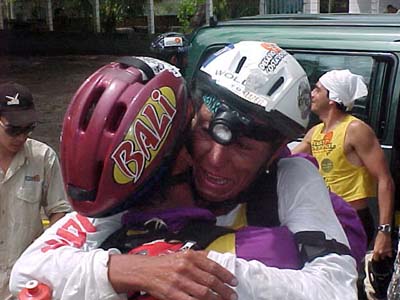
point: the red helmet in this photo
(120, 133)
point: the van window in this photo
(316, 65)
(376, 69)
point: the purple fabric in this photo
(175, 218)
(275, 247)
(352, 226)
(348, 218)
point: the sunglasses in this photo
(18, 130)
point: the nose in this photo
(217, 154)
(313, 93)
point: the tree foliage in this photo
(111, 11)
(114, 11)
(186, 10)
(191, 13)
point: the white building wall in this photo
(360, 6)
(1, 15)
(374, 6)
(355, 6)
(311, 6)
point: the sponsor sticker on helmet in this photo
(145, 137)
(272, 58)
(304, 99)
(271, 47)
(173, 41)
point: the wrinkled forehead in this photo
(204, 114)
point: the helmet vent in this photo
(90, 106)
(240, 64)
(276, 86)
(115, 117)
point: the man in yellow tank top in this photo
(349, 154)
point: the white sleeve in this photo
(332, 277)
(304, 205)
(304, 202)
(66, 258)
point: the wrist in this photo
(384, 228)
(119, 265)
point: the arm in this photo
(332, 277)
(68, 259)
(304, 205)
(55, 217)
(305, 145)
(362, 139)
(175, 276)
(54, 197)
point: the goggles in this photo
(17, 130)
(229, 123)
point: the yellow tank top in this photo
(343, 178)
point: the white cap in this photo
(344, 86)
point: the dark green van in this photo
(368, 45)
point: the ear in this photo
(331, 102)
(182, 162)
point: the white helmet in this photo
(261, 79)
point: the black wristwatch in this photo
(386, 228)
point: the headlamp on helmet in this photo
(229, 123)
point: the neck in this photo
(331, 118)
(6, 158)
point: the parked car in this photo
(368, 45)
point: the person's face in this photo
(319, 98)
(222, 172)
(10, 141)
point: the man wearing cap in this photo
(30, 179)
(349, 154)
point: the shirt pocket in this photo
(30, 191)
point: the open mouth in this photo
(215, 179)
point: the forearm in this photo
(385, 200)
(55, 217)
(66, 258)
(329, 277)
(71, 275)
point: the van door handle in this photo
(382, 127)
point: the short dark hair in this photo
(341, 106)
